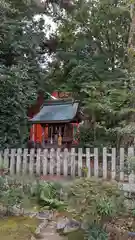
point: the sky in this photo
(49, 24)
(50, 27)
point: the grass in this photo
(17, 228)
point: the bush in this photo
(95, 201)
(47, 194)
(10, 194)
(94, 232)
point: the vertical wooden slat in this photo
(65, 159)
(131, 175)
(95, 162)
(52, 160)
(32, 160)
(25, 161)
(122, 164)
(58, 161)
(45, 161)
(73, 162)
(6, 158)
(105, 163)
(12, 161)
(80, 162)
(1, 158)
(113, 163)
(38, 156)
(18, 163)
(88, 162)
(130, 152)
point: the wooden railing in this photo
(109, 164)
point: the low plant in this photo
(94, 232)
(47, 194)
(95, 201)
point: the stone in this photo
(71, 226)
(61, 224)
(65, 225)
(43, 215)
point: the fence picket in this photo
(113, 160)
(80, 162)
(65, 159)
(12, 162)
(1, 158)
(32, 160)
(121, 164)
(6, 158)
(52, 161)
(96, 162)
(130, 152)
(38, 156)
(44, 161)
(105, 163)
(73, 162)
(18, 163)
(58, 158)
(88, 162)
(25, 161)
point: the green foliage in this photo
(95, 201)
(21, 37)
(94, 232)
(129, 165)
(91, 61)
(10, 195)
(47, 194)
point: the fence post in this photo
(58, 152)
(18, 163)
(88, 162)
(12, 161)
(25, 162)
(80, 162)
(113, 163)
(121, 164)
(131, 177)
(73, 162)
(1, 158)
(38, 155)
(52, 160)
(95, 162)
(32, 160)
(65, 159)
(45, 162)
(6, 158)
(131, 152)
(105, 163)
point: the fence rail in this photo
(109, 164)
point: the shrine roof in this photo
(56, 111)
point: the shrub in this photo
(10, 194)
(95, 201)
(47, 194)
(95, 232)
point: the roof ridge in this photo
(59, 102)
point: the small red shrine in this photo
(55, 123)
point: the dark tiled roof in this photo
(56, 111)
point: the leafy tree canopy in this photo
(21, 37)
(92, 61)
(88, 57)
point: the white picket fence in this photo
(109, 164)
